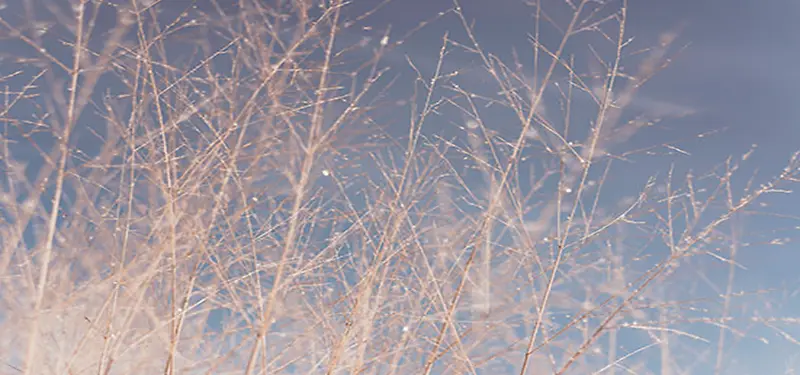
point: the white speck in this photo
(255, 199)
(326, 172)
(405, 328)
(385, 40)
(41, 29)
(567, 190)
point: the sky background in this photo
(738, 72)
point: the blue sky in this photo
(737, 74)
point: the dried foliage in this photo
(239, 188)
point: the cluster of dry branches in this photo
(238, 188)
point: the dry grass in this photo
(217, 191)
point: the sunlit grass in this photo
(217, 191)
